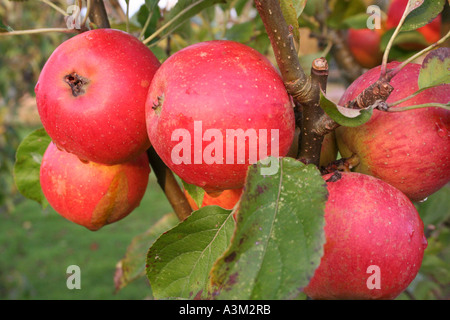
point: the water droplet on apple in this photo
(442, 130)
(423, 200)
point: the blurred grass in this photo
(37, 246)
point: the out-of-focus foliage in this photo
(21, 59)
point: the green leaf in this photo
(343, 10)
(290, 15)
(435, 210)
(5, 27)
(195, 192)
(407, 37)
(179, 261)
(279, 236)
(422, 14)
(28, 163)
(357, 21)
(132, 265)
(435, 68)
(183, 11)
(346, 117)
(240, 32)
(299, 6)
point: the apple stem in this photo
(343, 164)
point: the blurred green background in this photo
(37, 245)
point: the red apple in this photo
(431, 31)
(91, 95)
(364, 44)
(374, 241)
(409, 149)
(227, 199)
(205, 96)
(92, 194)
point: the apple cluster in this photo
(104, 99)
(91, 96)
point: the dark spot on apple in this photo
(157, 105)
(334, 177)
(77, 83)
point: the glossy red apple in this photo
(431, 31)
(91, 95)
(227, 199)
(374, 241)
(364, 44)
(409, 149)
(209, 96)
(92, 194)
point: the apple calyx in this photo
(77, 83)
(158, 104)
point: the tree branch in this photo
(169, 185)
(295, 80)
(304, 90)
(98, 14)
(311, 140)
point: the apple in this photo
(92, 194)
(215, 107)
(409, 149)
(91, 95)
(364, 44)
(374, 241)
(227, 199)
(430, 31)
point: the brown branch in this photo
(304, 90)
(98, 14)
(311, 141)
(281, 37)
(350, 69)
(169, 185)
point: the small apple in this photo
(92, 194)
(374, 241)
(215, 107)
(364, 44)
(227, 199)
(91, 95)
(409, 149)
(430, 31)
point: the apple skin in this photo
(430, 31)
(227, 199)
(106, 123)
(223, 85)
(92, 194)
(364, 44)
(367, 222)
(409, 149)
